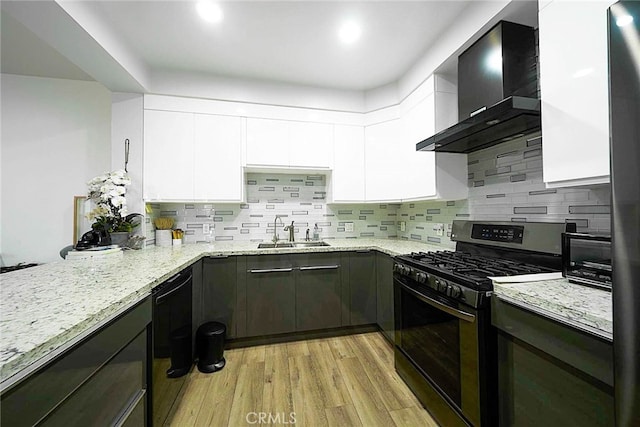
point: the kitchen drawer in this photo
(45, 389)
(104, 397)
(585, 352)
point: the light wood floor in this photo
(345, 381)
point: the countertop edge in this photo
(556, 317)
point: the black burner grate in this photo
(470, 269)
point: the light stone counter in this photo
(582, 307)
(44, 310)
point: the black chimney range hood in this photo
(497, 92)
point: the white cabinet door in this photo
(217, 158)
(383, 172)
(347, 180)
(420, 172)
(310, 145)
(267, 142)
(574, 91)
(168, 155)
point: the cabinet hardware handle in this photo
(273, 270)
(218, 256)
(319, 267)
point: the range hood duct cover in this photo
(498, 76)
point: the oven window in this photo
(431, 339)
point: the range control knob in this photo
(453, 291)
(397, 267)
(442, 285)
(421, 277)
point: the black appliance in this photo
(497, 92)
(624, 108)
(93, 239)
(445, 347)
(586, 259)
(171, 341)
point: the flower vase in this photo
(119, 238)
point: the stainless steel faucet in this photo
(275, 228)
(290, 229)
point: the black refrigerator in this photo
(624, 103)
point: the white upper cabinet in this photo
(289, 144)
(429, 175)
(192, 157)
(310, 144)
(217, 158)
(574, 92)
(384, 174)
(418, 124)
(168, 155)
(267, 142)
(348, 176)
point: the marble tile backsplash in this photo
(505, 184)
(297, 198)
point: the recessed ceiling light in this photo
(209, 11)
(349, 32)
(624, 20)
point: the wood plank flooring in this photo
(343, 381)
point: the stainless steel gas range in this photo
(445, 345)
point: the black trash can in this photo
(210, 346)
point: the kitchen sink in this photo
(311, 244)
(275, 245)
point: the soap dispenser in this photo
(316, 233)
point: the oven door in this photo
(440, 338)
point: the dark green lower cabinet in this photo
(362, 288)
(100, 381)
(270, 295)
(219, 288)
(551, 374)
(318, 287)
(384, 281)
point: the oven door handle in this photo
(462, 315)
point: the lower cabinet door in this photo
(318, 287)
(362, 288)
(105, 396)
(384, 280)
(271, 301)
(538, 390)
(219, 292)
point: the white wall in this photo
(127, 122)
(198, 85)
(55, 137)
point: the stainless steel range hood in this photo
(508, 119)
(497, 92)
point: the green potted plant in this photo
(110, 215)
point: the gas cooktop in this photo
(468, 269)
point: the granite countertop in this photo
(582, 307)
(45, 309)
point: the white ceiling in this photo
(26, 54)
(280, 41)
